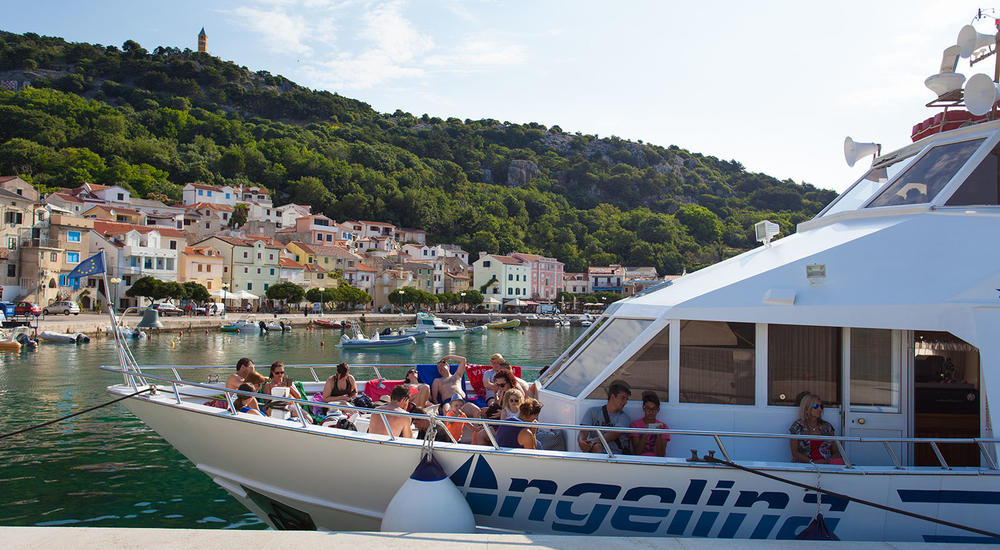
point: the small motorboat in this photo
(125, 332)
(375, 342)
(389, 334)
(284, 325)
(504, 324)
(16, 341)
(476, 329)
(64, 338)
(245, 324)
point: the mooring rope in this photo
(711, 459)
(78, 413)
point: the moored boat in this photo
(63, 337)
(502, 324)
(376, 342)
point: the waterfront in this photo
(107, 469)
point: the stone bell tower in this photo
(202, 41)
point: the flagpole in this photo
(119, 345)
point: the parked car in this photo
(27, 308)
(166, 309)
(64, 307)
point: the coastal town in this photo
(237, 244)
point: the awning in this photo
(491, 300)
(530, 303)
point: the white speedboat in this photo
(281, 325)
(885, 305)
(434, 327)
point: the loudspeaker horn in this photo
(854, 151)
(980, 94)
(970, 40)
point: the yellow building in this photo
(49, 253)
(201, 264)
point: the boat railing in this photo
(141, 379)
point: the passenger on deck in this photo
(610, 414)
(243, 367)
(518, 437)
(448, 385)
(423, 424)
(455, 408)
(504, 380)
(529, 389)
(423, 395)
(279, 380)
(510, 403)
(340, 387)
(650, 444)
(810, 422)
(399, 399)
(491, 390)
(247, 404)
(256, 380)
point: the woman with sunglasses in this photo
(810, 422)
(422, 395)
(279, 380)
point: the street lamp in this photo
(462, 299)
(322, 299)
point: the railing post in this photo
(987, 456)
(892, 454)
(604, 442)
(940, 457)
(843, 454)
(722, 448)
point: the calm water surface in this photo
(107, 469)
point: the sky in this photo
(774, 85)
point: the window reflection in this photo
(928, 175)
(598, 352)
(646, 370)
(982, 186)
(866, 187)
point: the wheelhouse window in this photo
(600, 351)
(867, 186)
(875, 379)
(646, 370)
(803, 359)
(982, 186)
(717, 362)
(928, 175)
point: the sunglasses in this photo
(817, 405)
(279, 372)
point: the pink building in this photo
(546, 275)
(321, 229)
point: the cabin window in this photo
(982, 186)
(601, 350)
(717, 362)
(867, 186)
(928, 175)
(646, 370)
(803, 359)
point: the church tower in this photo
(202, 41)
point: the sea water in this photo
(107, 469)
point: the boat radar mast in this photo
(975, 103)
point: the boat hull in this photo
(378, 344)
(514, 323)
(565, 493)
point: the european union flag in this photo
(91, 266)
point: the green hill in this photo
(155, 120)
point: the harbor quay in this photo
(85, 538)
(97, 323)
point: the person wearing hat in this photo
(610, 414)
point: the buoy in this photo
(428, 502)
(320, 343)
(180, 333)
(206, 331)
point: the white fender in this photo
(428, 502)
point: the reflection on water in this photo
(107, 469)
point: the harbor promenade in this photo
(95, 323)
(85, 538)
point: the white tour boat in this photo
(886, 305)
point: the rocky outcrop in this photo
(520, 172)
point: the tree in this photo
(472, 297)
(239, 217)
(196, 291)
(288, 292)
(146, 287)
(173, 290)
(314, 295)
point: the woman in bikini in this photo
(340, 387)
